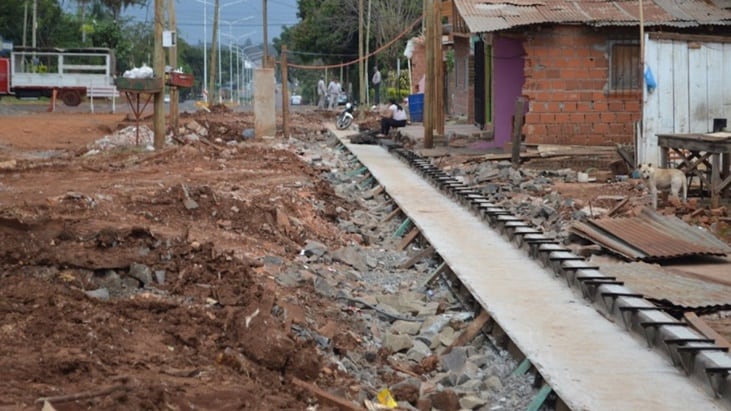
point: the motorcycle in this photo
(345, 117)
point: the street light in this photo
(219, 42)
(230, 56)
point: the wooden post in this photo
(212, 81)
(158, 67)
(439, 75)
(285, 93)
(429, 83)
(362, 84)
(173, 59)
(517, 136)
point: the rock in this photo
(446, 400)
(418, 351)
(493, 383)
(471, 402)
(351, 256)
(248, 133)
(397, 342)
(141, 272)
(160, 276)
(315, 248)
(406, 390)
(405, 327)
(447, 336)
(109, 280)
(455, 360)
(99, 293)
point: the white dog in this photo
(662, 178)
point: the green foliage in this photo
(449, 57)
(55, 29)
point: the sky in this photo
(240, 19)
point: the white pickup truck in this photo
(32, 72)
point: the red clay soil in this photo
(214, 332)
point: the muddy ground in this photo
(177, 238)
(181, 240)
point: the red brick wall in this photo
(418, 64)
(566, 72)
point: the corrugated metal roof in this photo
(653, 282)
(494, 15)
(650, 236)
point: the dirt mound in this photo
(134, 277)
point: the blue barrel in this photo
(416, 107)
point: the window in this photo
(624, 66)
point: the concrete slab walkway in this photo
(592, 363)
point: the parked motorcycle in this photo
(345, 117)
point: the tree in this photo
(116, 6)
(55, 28)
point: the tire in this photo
(343, 122)
(71, 98)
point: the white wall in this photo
(693, 87)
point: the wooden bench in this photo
(103, 92)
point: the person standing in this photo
(321, 91)
(376, 81)
(333, 91)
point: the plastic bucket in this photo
(416, 107)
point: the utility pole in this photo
(212, 82)
(429, 93)
(367, 50)
(265, 51)
(173, 59)
(285, 92)
(25, 23)
(361, 71)
(35, 21)
(158, 67)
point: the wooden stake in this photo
(418, 257)
(469, 333)
(408, 238)
(326, 397)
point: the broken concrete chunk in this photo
(99, 293)
(471, 402)
(160, 276)
(397, 342)
(351, 256)
(141, 272)
(418, 351)
(405, 327)
(315, 248)
(455, 360)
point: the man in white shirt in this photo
(321, 91)
(395, 116)
(376, 81)
(333, 91)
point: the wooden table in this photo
(695, 149)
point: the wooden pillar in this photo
(212, 92)
(173, 60)
(158, 67)
(429, 83)
(285, 93)
(439, 75)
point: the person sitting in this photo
(394, 116)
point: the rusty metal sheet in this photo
(654, 282)
(494, 15)
(650, 237)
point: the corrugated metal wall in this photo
(693, 88)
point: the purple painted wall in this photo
(508, 78)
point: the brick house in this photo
(578, 65)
